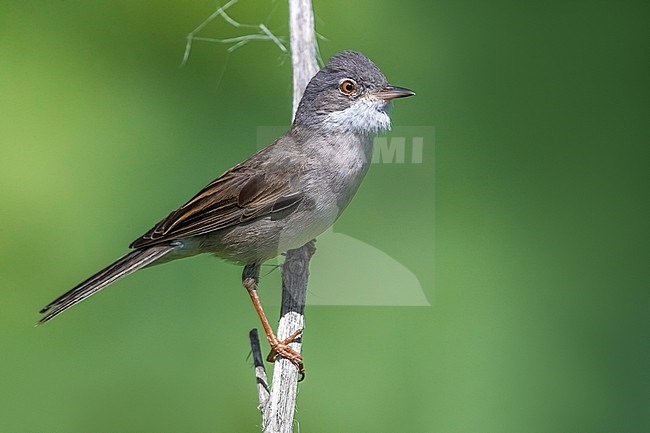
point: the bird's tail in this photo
(126, 265)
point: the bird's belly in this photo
(268, 237)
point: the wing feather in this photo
(240, 195)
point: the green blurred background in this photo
(539, 316)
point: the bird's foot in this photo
(281, 348)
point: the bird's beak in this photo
(393, 92)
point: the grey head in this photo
(349, 95)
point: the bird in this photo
(281, 197)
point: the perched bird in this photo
(280, 198)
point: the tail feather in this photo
(126, 265)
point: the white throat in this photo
(367, 116)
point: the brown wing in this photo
(239, 195)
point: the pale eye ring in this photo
(348, 86)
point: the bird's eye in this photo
(347, 86)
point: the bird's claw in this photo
(281, 348)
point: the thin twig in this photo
(273, 38)
(264, 35)
(190, 36)
(263, 390)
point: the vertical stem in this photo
(282, 401)
(279, 411)
(303, 47)
(263, 391)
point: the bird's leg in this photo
(280, 348)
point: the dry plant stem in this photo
(303, 47)
(263, 391)
(278, 409)
(278, 416)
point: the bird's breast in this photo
(344, 162)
